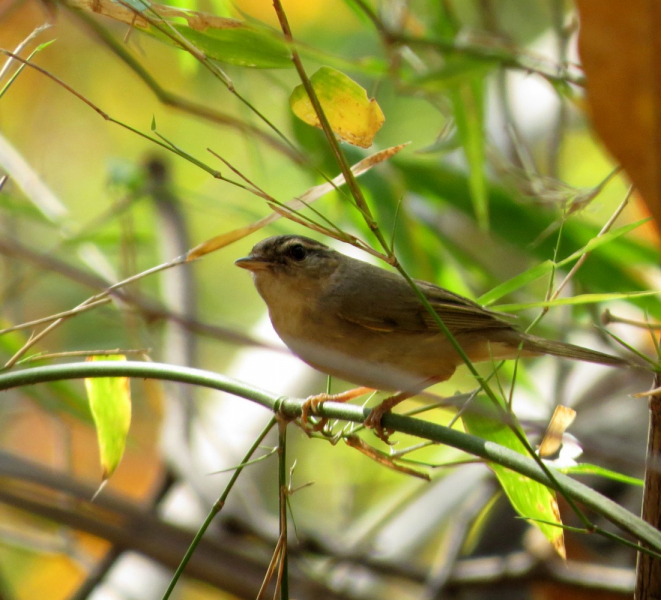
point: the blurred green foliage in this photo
(497, 196)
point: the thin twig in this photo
(35, 32)
(608, 317)
(36, 338)
(518, 60)
(605, 229)
(74, 353)
(349, 177)
(67, 313)
(170, 99)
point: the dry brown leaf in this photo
(620, 50)
(562, 418)
(314, 193)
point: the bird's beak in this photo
(252, 263)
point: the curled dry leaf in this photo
(562, 418)
(314, 193)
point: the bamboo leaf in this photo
(530, 499)
(513, 284)
(575, 300)
(110, 402)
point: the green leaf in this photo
(516, 282)
(617, 267)
(110, 402)
(468, 106)
(241, 46)
(574, 300)
(542, 269)
(530, 499)
(353, 116)
(588, 469)
(600, 240)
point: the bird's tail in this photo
(540, 345)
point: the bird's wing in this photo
(459, 314)
(392, 306)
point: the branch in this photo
(291, 408)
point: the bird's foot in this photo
(312, 404)
(311, 407)
(373, 420)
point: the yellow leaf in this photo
(353, 117)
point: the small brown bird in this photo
(363, 324)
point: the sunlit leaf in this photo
(110, 402)
(530, 499)
(574, 300)
(606, 238)
(542, 269)
(353, 117)
(588, 469)
(518, 281)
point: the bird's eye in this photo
(298, 252)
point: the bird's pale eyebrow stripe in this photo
(305, 243)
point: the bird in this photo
(366, 325)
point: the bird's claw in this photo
(311, 407)
(373, 421)
(312, 404)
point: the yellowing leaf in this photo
(110, 402)
(353, 117)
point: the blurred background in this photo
(502, 172)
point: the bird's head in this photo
(290, 261)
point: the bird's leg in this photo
(373, 421)
(311, 405)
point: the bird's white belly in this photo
(322, 345)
